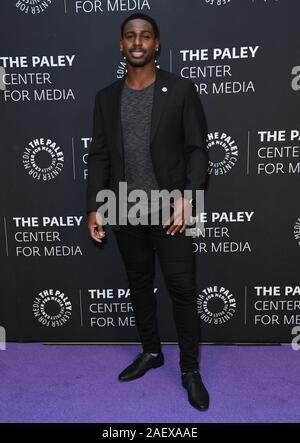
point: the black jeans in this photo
(137, 245)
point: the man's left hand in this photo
(178, 221)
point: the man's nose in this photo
(137, 40)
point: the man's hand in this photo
(95, 226)
(179, 219)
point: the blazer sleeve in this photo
(195, 133)
(98, 159)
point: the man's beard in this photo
(140, 63)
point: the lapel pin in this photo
(164, 89)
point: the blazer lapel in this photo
(161, 93)
(116, 115)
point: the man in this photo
(149, 132)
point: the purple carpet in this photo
(78, 383)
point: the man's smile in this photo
(137, 53)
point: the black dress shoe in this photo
(197, 393)
(141, 365)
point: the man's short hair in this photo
(141, 16)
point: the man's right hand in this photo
(95, 226)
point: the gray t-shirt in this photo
(136, 110)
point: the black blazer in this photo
(177, 140)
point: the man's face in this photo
(138, 42)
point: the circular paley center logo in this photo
(297, 231)
(43, 159)
(52, 308)
(122, 68)
(216, 305)
(217, 2)
(223, 153)
(32, 6)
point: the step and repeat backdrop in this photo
(244, 58)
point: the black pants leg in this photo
(137, 246)
(177, 261)
(139, 259)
